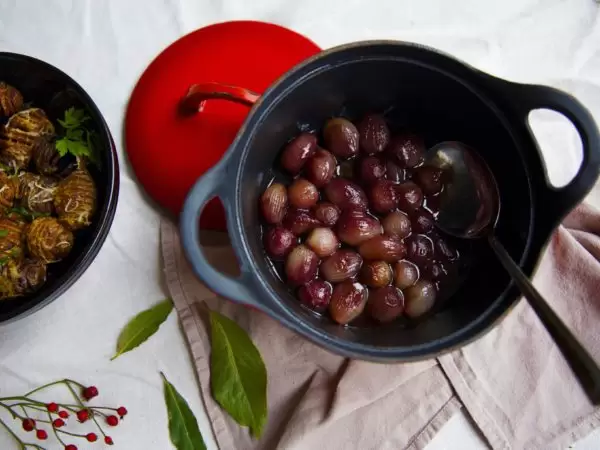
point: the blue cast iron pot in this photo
(443, 99)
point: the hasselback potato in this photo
(36, 192)
(16, 147)
(11, 238)
(32, 120)
(75, 199)
(21, 277)
(48, 239)
(11, 100)
(45, 157)
(7, 192)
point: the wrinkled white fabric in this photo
(106, 45)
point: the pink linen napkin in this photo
(513, 382)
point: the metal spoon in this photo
(469, 208)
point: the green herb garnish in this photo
(27, 213)
(77, 139)
(3, 233)
(3, 260)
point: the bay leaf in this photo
(142, 326)
(183, 426)
(238, 374)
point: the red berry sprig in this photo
(57, 415)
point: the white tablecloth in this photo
(106, 44)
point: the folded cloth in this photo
(513, 382)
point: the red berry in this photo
(63, 414)
(71, 447)
(58, 423)
(90, 392)
(122, 411)
(28, 424)
(52, 407)
(83, 415)
(91, 437)
(108, 440)
(41, 435)
(113, 421)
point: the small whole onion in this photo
(410, 196)
(303, 194)
(301, 265)
(407, 149)
(342, 265)
(376, 274)
(273, 203)
(419, 298)
(300, 221)
(278, 242)
(355, 227)
(420, 249)
(394, 172)
(347, 301)
(405, 274)
(385, 304)
(423, 222)
(383, 197)
(397, 224)
(327, 213)
(346, 194)
(320, 169)
(341, 137)
(316, 295)
(374, 134)
(435, 272)
(443, 250)
(371, 169)
(297, 152)
(383, 248)
(323, 242)
(429, 179)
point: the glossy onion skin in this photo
(16, 147)
(383, 197)
(297, 152)
(341, 137)
(48, 239)
(376, 274)
(12, 238)
(278, 242)
(346, 194)
(342, 265)
(302, 194)
(397, 224)
(300, 221)
(419, 298)
(422, 222)
(347, 302)
(301, 265)
(36, 192)
(410, 196)
(429, 179)
(383, 248)
(385, 304)
(316, 295)
(420, 249)
(326, 213)
(374, 134)
(32, 120)
(274, 202)
(75, 199)
(7, 192)
(371, 169)
(323, 242)
(407, 150)
(356, 227)
(11, 100)
(406, 274)
(320, 169)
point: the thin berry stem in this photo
(12, 433)
(54, 431)
(54, 383)
(9, 409)
(78, 400)
(24, 410)
(60, 430)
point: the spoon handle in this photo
(581, 362)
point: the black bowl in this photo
(54, 91)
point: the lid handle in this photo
(197, 94)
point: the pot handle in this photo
(214, 183)
(530, 97)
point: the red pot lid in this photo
(169, 151)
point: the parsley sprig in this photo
(77, 140)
